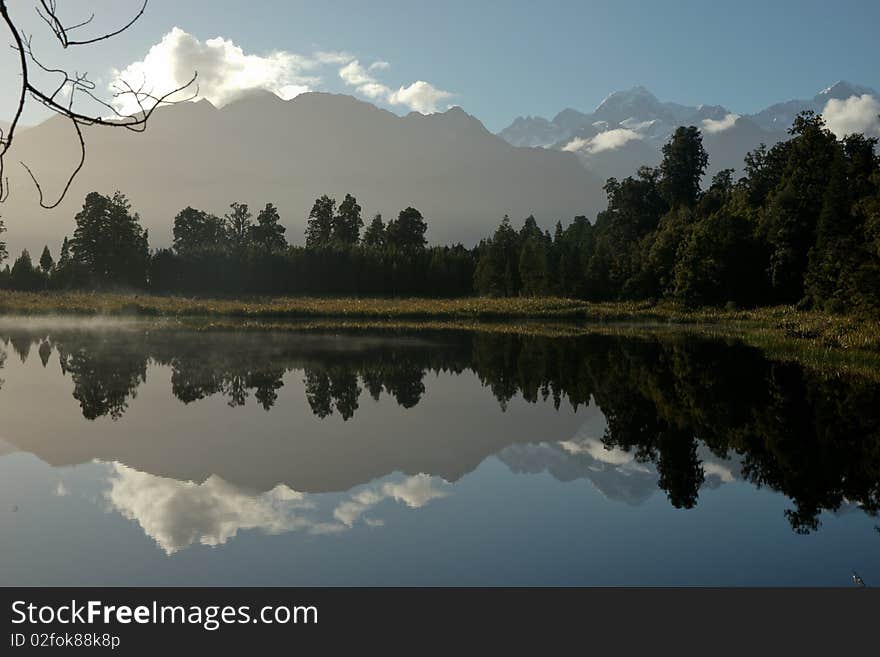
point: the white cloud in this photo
(225, 71)
(634, 124)
(712, 126)
(353, 74)
(604, 141)
(419, 96)
(853, 115)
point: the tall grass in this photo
(810, 330)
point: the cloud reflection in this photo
(616, 473)
(177, 514)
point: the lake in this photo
(134, 453)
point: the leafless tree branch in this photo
(48, 12)
(73, 85)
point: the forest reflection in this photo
(667, 401)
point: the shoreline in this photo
(544, 315)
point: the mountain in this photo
(263, 149)
(629, 127)
(779, 117)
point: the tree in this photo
(64, 256)
(347, 222)
(832, 252)
(374, 235)
(663, 247)
(684, 163)
(319, 228)
(109, 242)
(533, 267)
(635, 207)
(63, 276)
(843, 273)
(497, 271)
(24, 276)
(196, 231)
(46, 261)
(238, 227)
(407, 232)
(718, 262)
(268, 233)
(792, 213)
(3, 252)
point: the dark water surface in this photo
(139, 454)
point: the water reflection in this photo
(632, 415)
(176, 514)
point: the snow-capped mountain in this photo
(629, 127)
(778, 117)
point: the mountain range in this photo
(260, 149)
(629, 128)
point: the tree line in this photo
(801, 226)
(240, 253)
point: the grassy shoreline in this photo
(779, 324)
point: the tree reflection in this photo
(814, 437)
(106, 370)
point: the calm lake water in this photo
(145, 455)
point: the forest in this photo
(800, 227)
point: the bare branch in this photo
(79, 166)
(75, 84)
(50, 16)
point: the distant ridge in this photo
(260, 148)
(628, 128)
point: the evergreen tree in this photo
(347, 222)
(109, 242)
(24, 276)
(64, 256)
(683, 165)
(717, 263)
(46, 261)
(497, 271)
(635, 207)
(319, 228)
(268, 233)
(374, 235)
(3, 252)
(832, 252)
(790, 221)
(198, 232)
(238, 227)
(407, 232)
(576, 248)
(533, 267)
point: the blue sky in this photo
(499, 60)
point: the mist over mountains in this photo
(260, 149)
